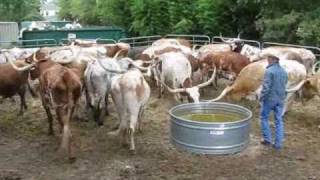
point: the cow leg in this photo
(23, 104)
(141, 111)
(50, 120)
(59, 112)
(106, 104)
(161, 89)
(66, 143)
(133, 121)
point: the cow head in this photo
(236, 44)
(311, 87)
(192, 92)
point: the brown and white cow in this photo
(60, 89)
(249, 81)
(228, 64)
(14, 80)
(302, 55)
(130, 93)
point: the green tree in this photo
(17, 10)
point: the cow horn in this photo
(96, 41)
(314, 67)
(238, 35)
(34, 57)
(296, 88)
(117, 54)
(210, 80)
(25, 68)
(222, 39)
(110, 70)
(224, 93)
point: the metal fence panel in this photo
(140, 41)
(194, 39)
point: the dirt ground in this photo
(27, 152)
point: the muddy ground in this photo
(27, 152)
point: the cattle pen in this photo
(27, 152)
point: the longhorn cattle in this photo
(98, 85)
(60, 89)
(213, 48)
(130, 93)
(304, 56)
(14, 82)
(309, 87)
(16, 53)
(175, 70)
(230, 63)
(249, 81)
(149, 53)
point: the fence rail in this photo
(194, 39)
(140, 41)
(98, 41)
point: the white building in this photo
(49, 10)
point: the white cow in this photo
(130, 93)
(175, 73)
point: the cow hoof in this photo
(72, 159)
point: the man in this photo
(272, 99)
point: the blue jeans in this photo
(277, 108)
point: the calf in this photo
(130, 92)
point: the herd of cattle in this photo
(61, 75)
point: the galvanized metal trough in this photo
(210, 137)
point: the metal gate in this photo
(217, 39)
(98, 41)
(193, 39)
(315, 50)
(140, 41)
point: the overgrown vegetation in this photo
(18, 10)
(289, 21)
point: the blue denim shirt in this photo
(274, 84)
